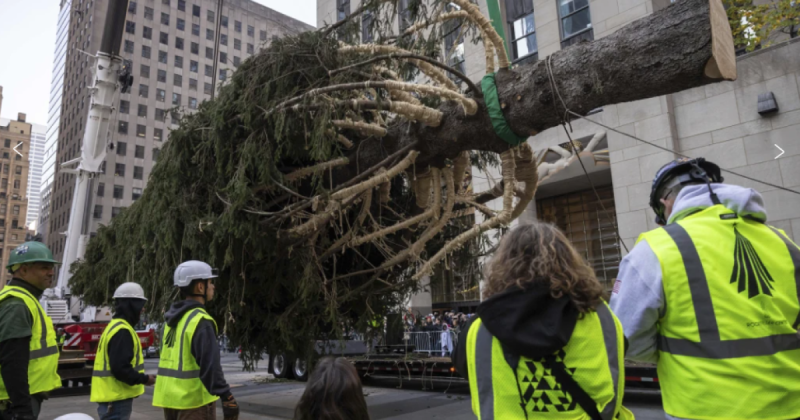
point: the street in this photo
(262, 400)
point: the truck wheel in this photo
(300, 370)
(281, 366)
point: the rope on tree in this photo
(309, 170)
(424, 66)
(363, 128)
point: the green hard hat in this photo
(30, 252)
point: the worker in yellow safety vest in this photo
(713, 298)
(118, 376)
(28, 347)
(190, 378)
(545, 344)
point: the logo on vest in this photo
(748, 269)
(542, 392)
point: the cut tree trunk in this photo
(685, 45)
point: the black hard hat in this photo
(690, 171)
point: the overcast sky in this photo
(27, 43)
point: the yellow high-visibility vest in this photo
(728, 341)
(105, 387)
(42, 376)
(594, 356)
(178, 385)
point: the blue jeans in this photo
(116, 410)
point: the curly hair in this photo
(539, 252)
(333, 393)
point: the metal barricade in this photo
(431, 341)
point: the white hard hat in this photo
(193, 270)
(130, 290)
(75, 416)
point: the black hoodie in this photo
(528, 323)
(120, 346)
(204, 348)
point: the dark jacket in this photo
(204, 348)
(528, 323)
(120, 346)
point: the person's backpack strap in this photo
(569, 385)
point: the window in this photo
(454, 43)
(405, 19)
(5, 183)
(192, 84)
(138, 172)
(165, 2)
(193, 66)
(119, 191)
(119, 170)
(576, 22)
(15, 210)
(195, 48)
(196, 10)
(115, 211)
(132, 7)
(18, 170)
(14, 224)
(179, 43)
(223, 74)
(98, 211)
(175, 117)
(342, 9)
(145, 51)
(237, 44)
(182, 5)
(16, 184)
(192, 103)
(144, 71)
(8, 143)
(162, 57)
(236, 61)
(147, 33)
(124, 107)
(195, 29)
(136, 193)
(223, 57)
(207, 88)
(122, 148)
(366, 27)
(156, 152)
(103, 167)
(223, 39)
(237, 26)
(178, 62)
(251, 31)
(141, 130)
(101, 189)
(123, 127)
(143, 91)
(210, 16)
(250, 48)
(209, 34)
(157, 134)
(128, 46)
(139, 152)
(161, 115)
(162, 76)
(165, 19)
(209, 71)
(163, 38)
(181, 24)
(130, 27)
(262, 35)
(224, 22)
(176, 98)
(161, 96)
(209, 53)
(148, 13)
(142, 112)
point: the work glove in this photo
(230, 408)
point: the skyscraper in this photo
(35, 159)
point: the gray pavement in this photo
(276, 400)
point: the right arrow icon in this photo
(782, 152)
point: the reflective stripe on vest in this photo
(485, 371)
(42, 375)
(795, 254)
(105, 387)
(179, 373)
(710, 346)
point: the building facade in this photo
(15, 139)
(719, 122)
(171, 48)
(36, 160)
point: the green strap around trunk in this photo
(499, 123)
(497, 21)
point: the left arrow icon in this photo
(15, 149)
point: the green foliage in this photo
(759, 25)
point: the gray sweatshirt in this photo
(638, 296)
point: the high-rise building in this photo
(36, 159)
(15, 138)
(171, 46)
(53, 119)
